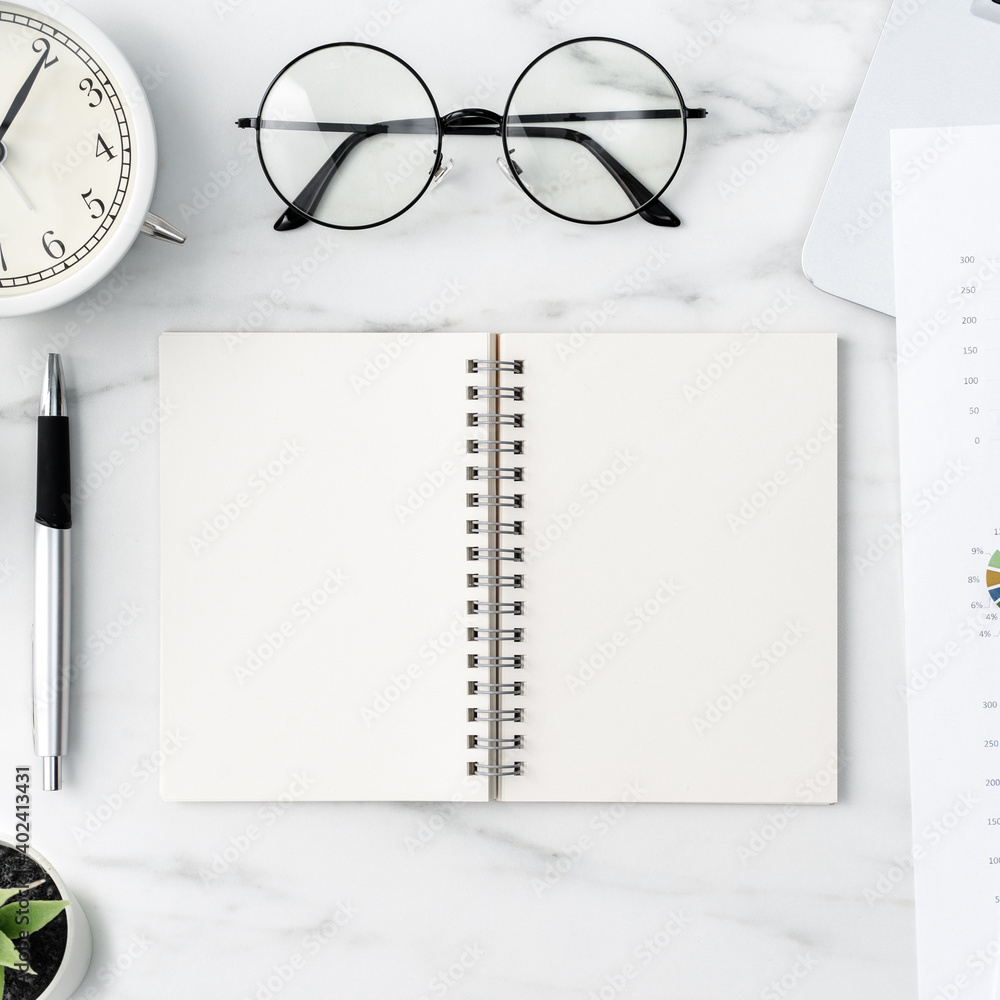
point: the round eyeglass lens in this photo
(594, 130)
(349, 136)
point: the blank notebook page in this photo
(681, 567)
(313, 566)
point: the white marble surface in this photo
(413, 891)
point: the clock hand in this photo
(3, 156)
(20, 96)
(16, 188)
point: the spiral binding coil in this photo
(497, 549)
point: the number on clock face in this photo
(65, 151)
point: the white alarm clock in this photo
(77, 157)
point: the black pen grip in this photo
(52, 504)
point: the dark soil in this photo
(48, 945)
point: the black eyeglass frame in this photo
(480, 121)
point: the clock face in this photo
(66, 152)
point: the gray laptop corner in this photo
(937, 63)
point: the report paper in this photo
(946, 216)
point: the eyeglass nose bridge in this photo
(472, 121)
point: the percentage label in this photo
(978, 604)
(978, 552)
(973, 579)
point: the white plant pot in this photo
(79, 945)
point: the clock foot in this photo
(160, 229)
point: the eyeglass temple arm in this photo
(654, 211)
(476, 121)
(307, 200)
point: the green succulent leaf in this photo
(5, 894)
(9, 955)
(40, 912)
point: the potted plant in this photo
(45, 939)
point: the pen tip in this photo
(53, 398)
(51, 773)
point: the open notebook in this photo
(533, 567)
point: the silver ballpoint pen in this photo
(50, 640)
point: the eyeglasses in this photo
(349, 135)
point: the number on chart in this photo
(42, 45)
(103, 149)
(54, 248)
(87, 85)
(95, 205)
